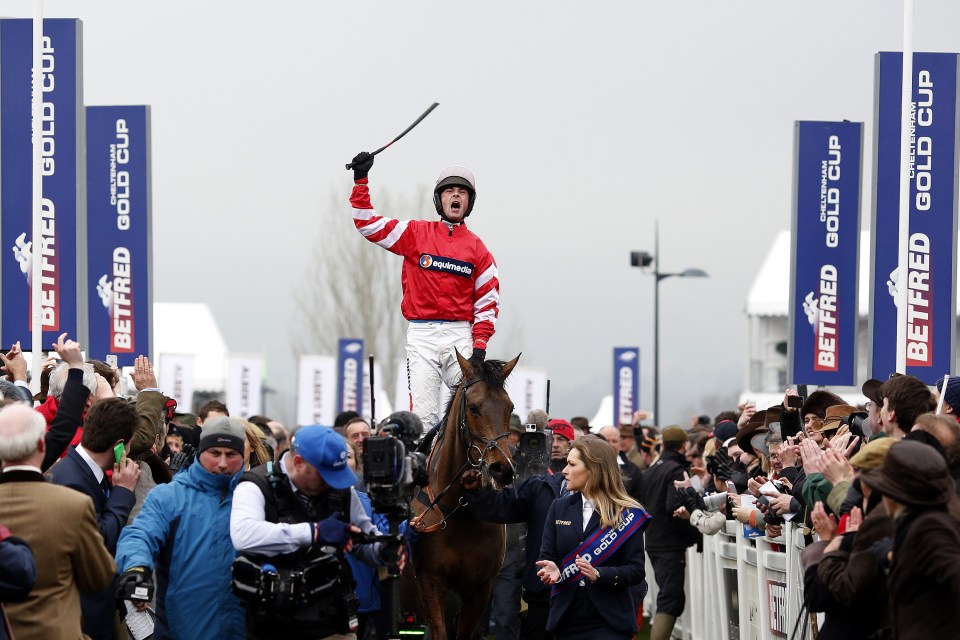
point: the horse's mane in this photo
(492, 375)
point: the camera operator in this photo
(291, 526)
(706, 513)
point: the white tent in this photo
(184, 327)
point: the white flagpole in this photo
(943, 392)
(36, 313)
(906, 101)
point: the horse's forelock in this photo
(491, 375)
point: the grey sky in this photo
(582, 122)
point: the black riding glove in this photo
(136, 583)
(183, 459)
(723, 465)
(332, 531)
(690, 499)
(362, 163)
(476, 359)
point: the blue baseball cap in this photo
(326, 450)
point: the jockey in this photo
(451, 292)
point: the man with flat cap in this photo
(295, 519)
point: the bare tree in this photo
(353, 287)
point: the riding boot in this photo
(662, 628)
(427, 441)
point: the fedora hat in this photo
(754, 427)
(914, 474)
(832, 419)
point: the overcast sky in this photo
(583, 122)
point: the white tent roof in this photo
(181, 327)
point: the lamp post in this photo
(643, 260)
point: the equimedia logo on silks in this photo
(446, 265)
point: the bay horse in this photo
(456, 551)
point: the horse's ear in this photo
(464, 364)
(507, 368)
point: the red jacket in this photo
(448, 273)
(48, 410)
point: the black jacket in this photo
(660, 500)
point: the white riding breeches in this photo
(433, 371)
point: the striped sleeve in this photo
(486, 300)
(393, 235)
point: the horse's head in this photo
(486, 412)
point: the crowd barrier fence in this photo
(741, 589)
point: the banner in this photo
(176, 373)
(626, 384)
(243, 384)
(119, 277)
(317, 390)
(349, 375)
(931, 267)
(823, 317)
(527, 387)
(61, 247)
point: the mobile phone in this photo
(111, 360)
(795, 402)
(118, 451)
(731, 488)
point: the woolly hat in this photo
(817, 403)
(724, 430)
(952, 395)
(561, 427)
(222, 432)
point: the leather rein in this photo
(467, 438)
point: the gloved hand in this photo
(690, 499)
(723, 464)
(183, 459)
(136, 583)
(362, 163)
(476, 359)
(332, 531)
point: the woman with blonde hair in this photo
(592, 551)
(254, 451)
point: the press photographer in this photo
(291, 526)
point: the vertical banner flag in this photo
(349, 375)
(119, 277)
(317, 390)
(626, 384)
(931, 277)
(176, 375)
(527, 387)
(243, 384)
(824, 297)
(62, 245)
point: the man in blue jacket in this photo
(527, 502)
(183, 533)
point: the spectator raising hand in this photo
(143, 375)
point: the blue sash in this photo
(602, 544)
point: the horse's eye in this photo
(474, 408)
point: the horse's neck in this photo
(450, 456)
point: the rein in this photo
(466, 436)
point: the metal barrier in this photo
(741, 589)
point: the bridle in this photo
(469, 440)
